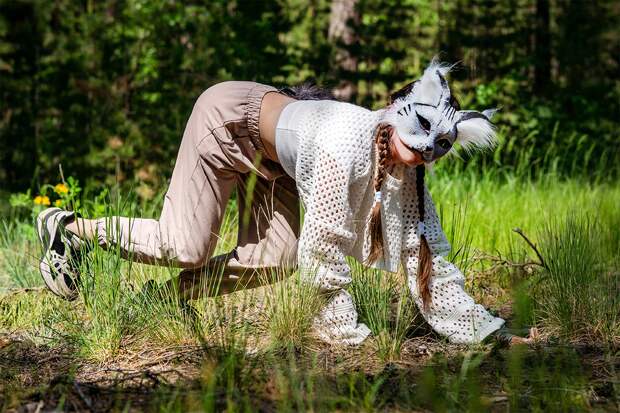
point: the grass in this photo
(575, 224)
(385, 305)
(254, 349)
(580, 290)
(290, 307)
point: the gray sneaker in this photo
(58, 263)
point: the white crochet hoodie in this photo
(334, 171)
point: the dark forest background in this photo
(105, 87)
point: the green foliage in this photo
(105, 87)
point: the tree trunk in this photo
(343, 16)
(542, 48)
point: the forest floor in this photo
(428, 376)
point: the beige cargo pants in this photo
(220, 151)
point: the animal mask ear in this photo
(429, 88)
(433, 85)
(489, 113)
(474, 130)
(402, 92)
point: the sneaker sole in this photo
(46, 228)
(44, 236)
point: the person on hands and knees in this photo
(359, 174)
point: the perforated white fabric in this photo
(334, 173)
(452, 313)
(332, 176)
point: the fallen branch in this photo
(498, 262)
(533, 246)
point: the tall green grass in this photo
(575, 224)
(386, 306)
(18, 255)
(558, 155)
(579, 293)
(291, 305)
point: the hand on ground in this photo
(532, 338)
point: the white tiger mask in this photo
(429, 119)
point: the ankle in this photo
(71, 226)
(83, 228)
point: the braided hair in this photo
(425, 262)
(382, 138)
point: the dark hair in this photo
(307, 91)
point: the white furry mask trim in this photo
(429, 119)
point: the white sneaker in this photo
(58, 264)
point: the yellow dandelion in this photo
(58, 202)
(61, 189)
(41, 200)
